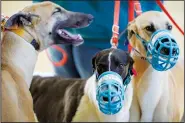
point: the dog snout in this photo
(166, 50)
(113, 97)
(90, 18)
(83, 20)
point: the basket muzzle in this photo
(110, 93)
(162, 50)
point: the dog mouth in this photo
(61, 35)
(69, 37)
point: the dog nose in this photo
(165, 51)
(90, 18)
(112, 99)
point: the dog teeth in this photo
(60, 32)
(79, 36)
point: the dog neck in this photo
(88, 109)
(18, 52)
(26, 36)
(140, 64)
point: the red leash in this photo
(131, 16)
(170, 17)
(130, 10)
(115, 27)
(137, 7)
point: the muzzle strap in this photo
(144, 42)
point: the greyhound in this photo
(74, 100)
(28, 32)
(158, 96)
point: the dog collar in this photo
(20, 32)
(26, 36)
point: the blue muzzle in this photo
(162, 50)
(110, 92)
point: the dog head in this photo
(145, 25)
(113, 69)
(115, 60)
(47, 22)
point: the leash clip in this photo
(114, 42)
(114, 39)
(137, 7)
(114, 29)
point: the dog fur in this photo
(158, 96)
(19, 57)
(74, 100)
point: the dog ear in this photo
(131, 28)
(131, 63)
(94, 63)
(22, 19)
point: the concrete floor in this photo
(176, 9)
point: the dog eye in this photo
(100, 69)
(150, 28)
(57, 10)
(169, 27)
(121, 66)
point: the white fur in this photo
(109, 59)
(44, 74)
(152, 97)
(88, 109)
(155, 81)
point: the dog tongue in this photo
(134, 72)
(67, 35)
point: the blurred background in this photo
(175, 8)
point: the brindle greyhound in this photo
(64, 100)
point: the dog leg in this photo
(35, 116)
(160, 114)
(135, 110)
(149, 94)
(148, 106)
